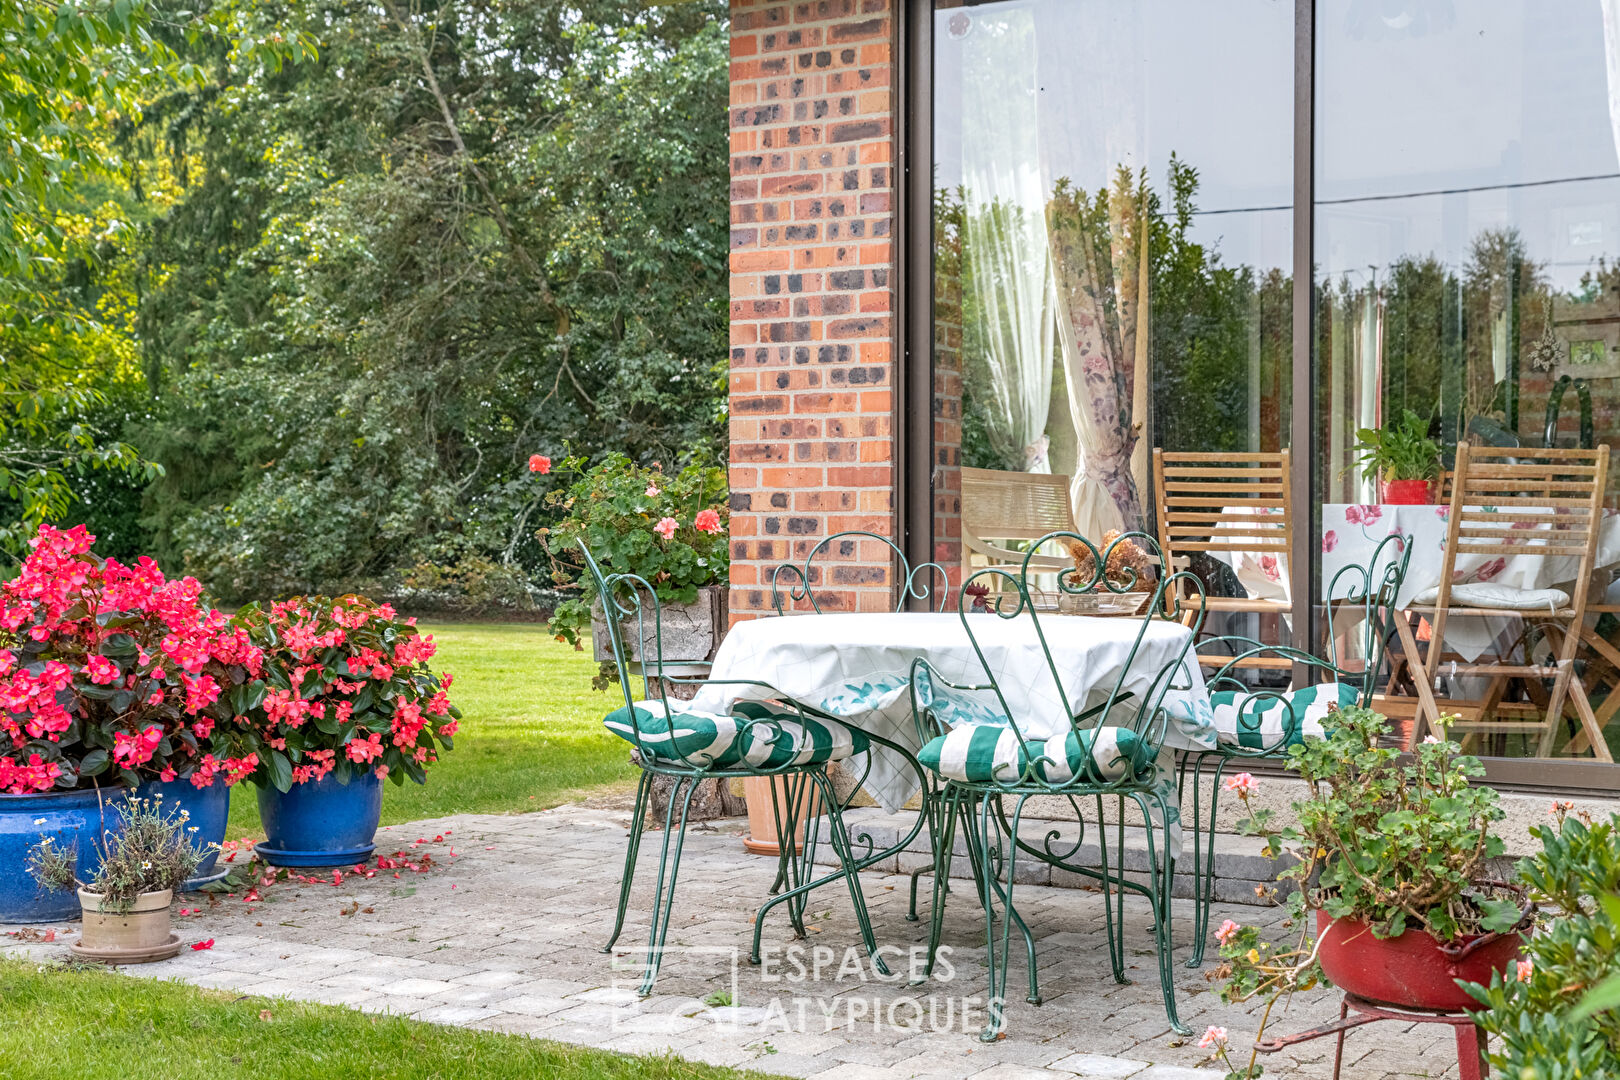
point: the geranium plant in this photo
(668, 529)
(111, 672)
(1395, 843)
(346, 689)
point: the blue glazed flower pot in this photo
(71, 818)
(322, 822)
(208, 807)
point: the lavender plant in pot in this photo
(125, 903)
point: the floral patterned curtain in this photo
(1096, 264)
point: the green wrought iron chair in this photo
(772, 739)
(816, 584)
(983, 760)
(1255, 723)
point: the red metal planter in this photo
(1408, 492)
(1413, 971)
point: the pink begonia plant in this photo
(110, 672)
(346, 689)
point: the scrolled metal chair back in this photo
(1375, 589)
(1176, 597)
(621, 596)
(796, 583)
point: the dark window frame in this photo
(914, 412)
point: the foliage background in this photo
(328, 307)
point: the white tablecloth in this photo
(858, 667)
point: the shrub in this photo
(1547, 1024)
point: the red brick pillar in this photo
(812, 294)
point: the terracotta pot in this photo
(1408, 492)
(761, 791)
(1412, 971)
(137, 936)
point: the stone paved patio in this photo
(506, 937)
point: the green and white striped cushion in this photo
(1262, 721)
(710, 739)
(702, 738)
(978, 753)
(790, 741)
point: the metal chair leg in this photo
(840, 842)
(637, 821)
(1161, 875)
(663, 902)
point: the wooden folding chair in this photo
(1226, 503)
(998, 505)
(1507, 502)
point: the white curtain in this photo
(1010, 268)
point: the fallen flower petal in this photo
(198, 946)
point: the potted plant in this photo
(346, 700)
(125, 902)
(669, 530)
(110, 675)
(1554, 1012)
(1401, 458)
(1388, 863)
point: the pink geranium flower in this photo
(707, 521)
(539, 463)
(666, 528)
(1227, 931)
(1214, 1037)
(1243, 783)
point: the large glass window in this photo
(1113, 245)
(1467, 235)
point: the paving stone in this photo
(515, 948)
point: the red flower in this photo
(102, 671)
(707, 521)
(130, 749)
(539, 463)
(198, 946)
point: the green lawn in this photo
(60, 1022)
(531, 730)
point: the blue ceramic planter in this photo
(71, 818)
(208, 807)
(321, 823)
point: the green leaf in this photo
(280, 771)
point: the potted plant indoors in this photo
(125, 902)
(1401, 458)
(669, 530)
(347, 699)
(1389, 857)
(110, 675)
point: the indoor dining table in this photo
(857, 667)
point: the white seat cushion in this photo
(1489, 595)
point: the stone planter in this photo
(137, 936)
(690, 632)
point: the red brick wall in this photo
(812, 294)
